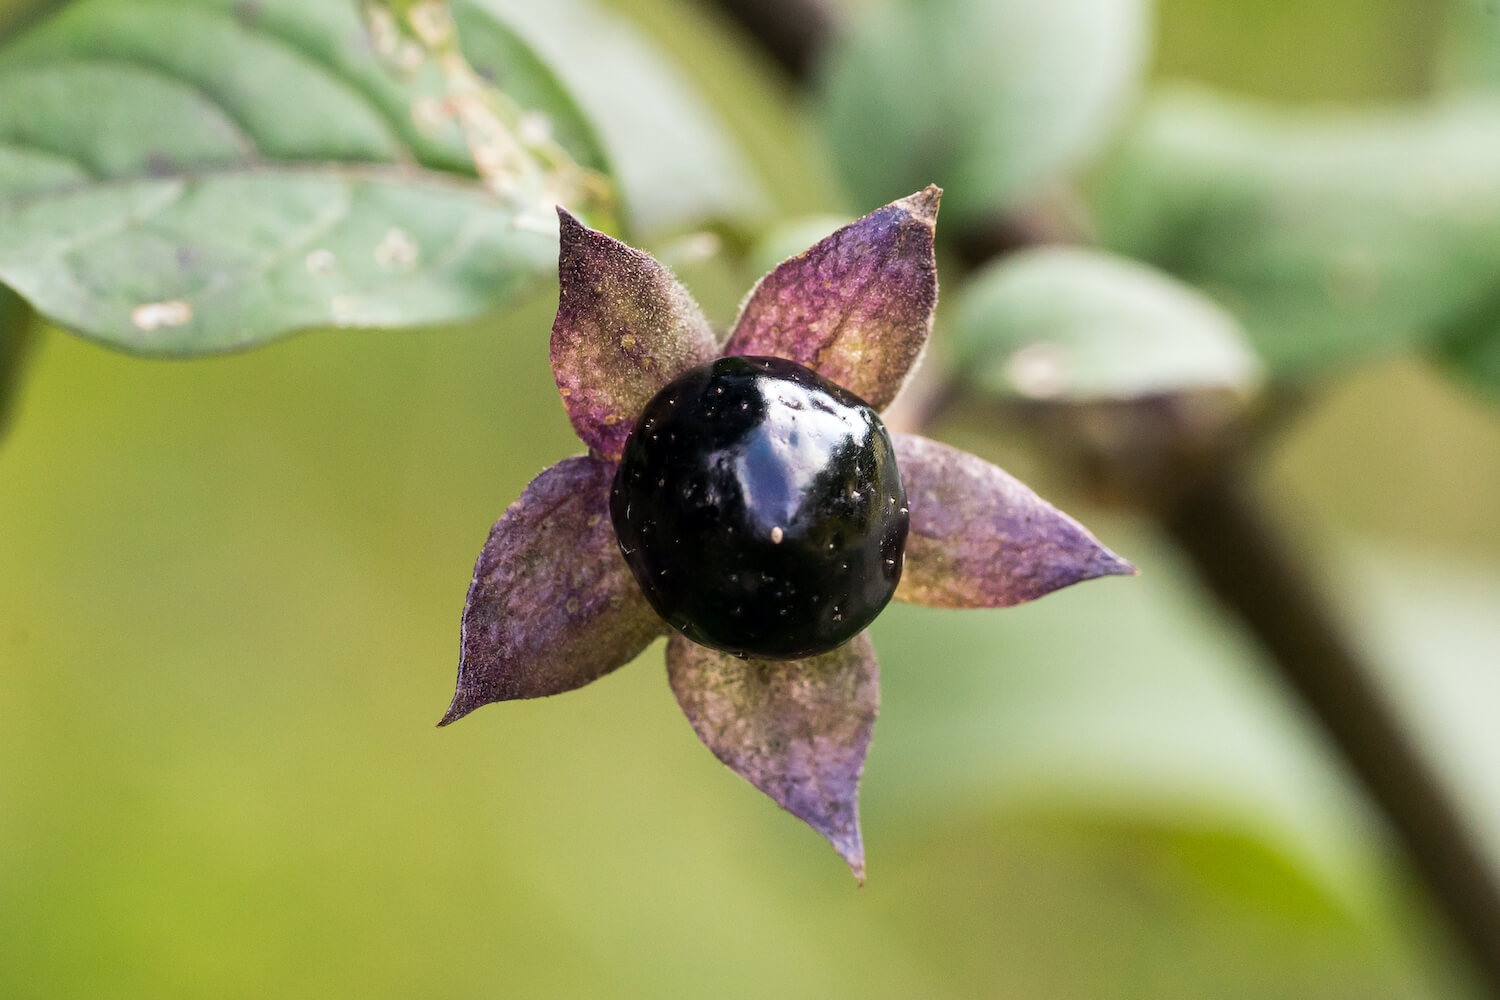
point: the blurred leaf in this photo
(1431, 616)
(156, 191)
(1470, 53)
(267, 546)
(1334, 235)
(789, 238)
(1082, 324)
(1159, 714)
(1165, 909)
(1475, 358)
(676, 166)
(1154, 710)
(994, 100)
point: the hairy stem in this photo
(1243, 558)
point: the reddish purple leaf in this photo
(980, 538)
(796, 729)
(553, 605)
(857, 307)
(625, 327)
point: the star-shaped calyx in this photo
(563, 592)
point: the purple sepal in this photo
(980, 538)
(625, 327)
(857, 307)
(796, 729)
(553, 605)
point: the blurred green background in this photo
(229, 597)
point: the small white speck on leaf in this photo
(321, 261)
(408, 58)
(1038, 370)
(431, 21)
(431, 115)
(383, 32)
(536, 222)
(396, 249)
(154, 315)
(343, 308)
(534, 128)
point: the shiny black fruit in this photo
(760, 509)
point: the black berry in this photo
(760, 509)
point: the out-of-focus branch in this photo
(793, 32)
(1245, 560)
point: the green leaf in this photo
(215, 261)
(1154, 710)
(499, 55)
(1086, 325)
(994, 100)
(676, 166)
(189, 176)
(1334, 235)
(1475, 357)
(1470, 53)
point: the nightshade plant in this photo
(777, 495)
(1156, 279)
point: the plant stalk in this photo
(15, 336)
(792, 32)
(1245, 560)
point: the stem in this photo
(793, 32)
(1248, 564)
(15, 333)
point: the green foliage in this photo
(202, 175)
(1470, 59)
(1333, 235)
(1474, 357)
(994, 101)
(1470, 56)
(1064, 323)
(216, 261)
(233, 606)
(676, 166)
(209, 666)
(192, 177)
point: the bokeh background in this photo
(229, 598)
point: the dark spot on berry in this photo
(748, 513)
